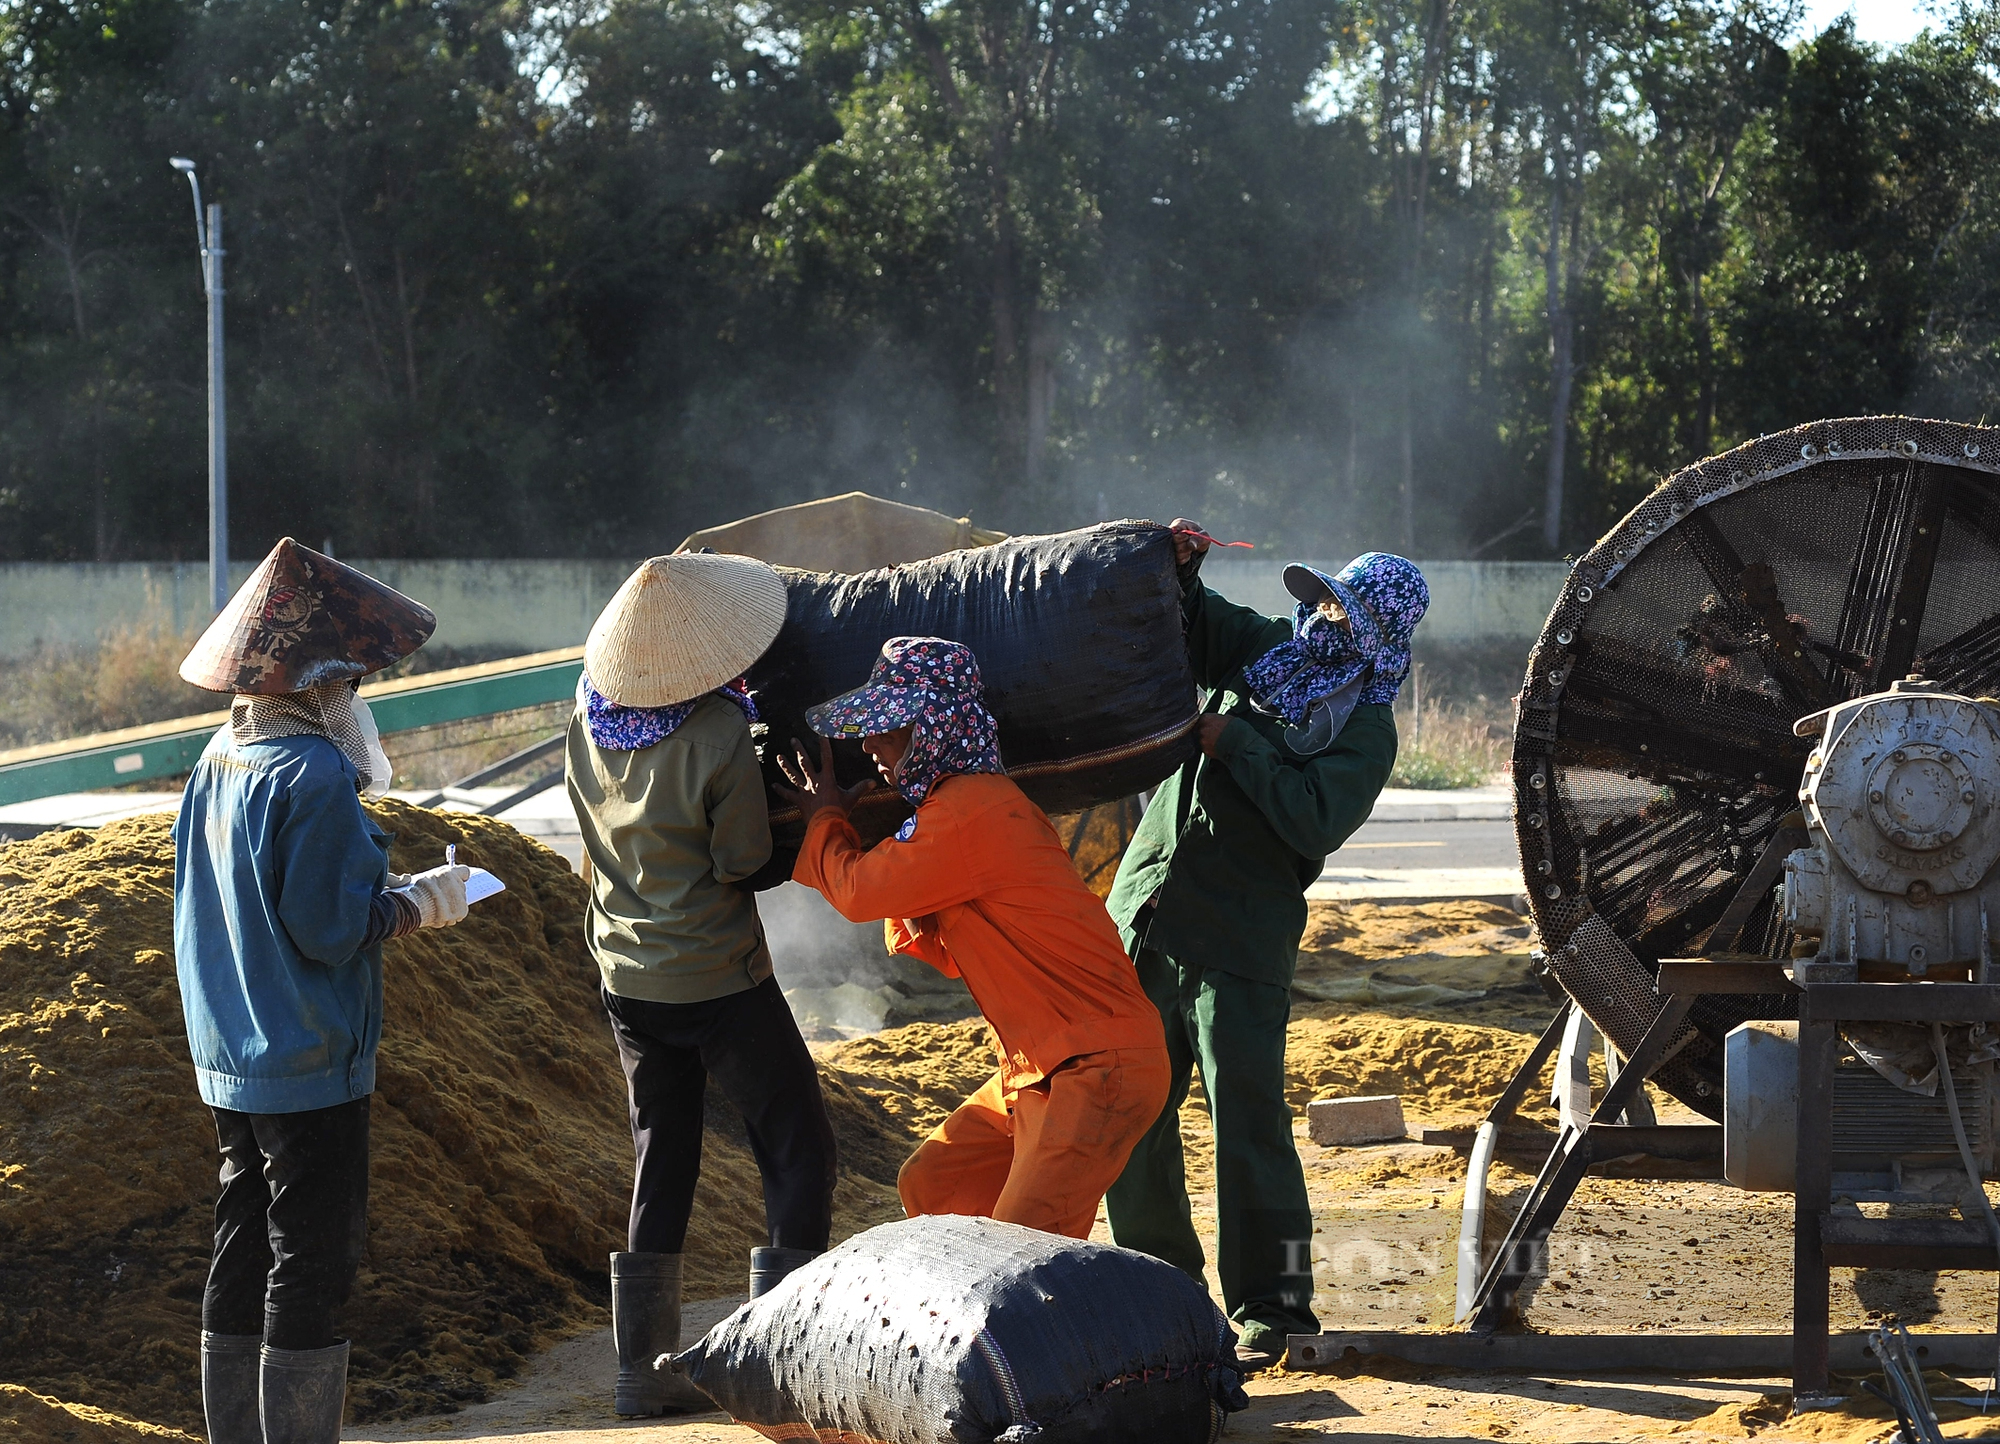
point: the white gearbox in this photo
(1899, 803)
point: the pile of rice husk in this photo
(30, 1418)
(918, 1073)
(501, 1151)
(1432, 1001)
(1440, 1069)
(1466, 958)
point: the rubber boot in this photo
(769, 1266)
(229, 1368)
(301, 1394)
(646, 1323)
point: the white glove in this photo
(396, 881)
(440, 896)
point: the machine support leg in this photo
(1639, 1112)
(1571, 1095)
(1818, 1048)
(1522, 1254)
(1472, 1217)
(1509, 1102)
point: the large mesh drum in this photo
(1654, 759)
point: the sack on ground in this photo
(1079, 642)
(957, 1330)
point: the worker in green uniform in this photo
(1297, 738)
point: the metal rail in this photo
(167, 749)
(1567, 1355)
(535, 752)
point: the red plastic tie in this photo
(1204, 536)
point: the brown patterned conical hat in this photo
(303, 619)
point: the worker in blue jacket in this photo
(282, 900)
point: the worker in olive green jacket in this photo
(670, 800)
(1297, 740)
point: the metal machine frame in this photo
(1824, 1237)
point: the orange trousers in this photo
(1044, 1155)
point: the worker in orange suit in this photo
(977, 884)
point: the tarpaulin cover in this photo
(1079, 642)
(851, 533)
(956, 1330)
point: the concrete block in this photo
(1356, 1120)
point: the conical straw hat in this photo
(683, 625)
(302, 619)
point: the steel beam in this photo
(1813, 1181)
(1727, 934)
(1695, 976)
(1901, 1002)
(1522, 1253)
(1922, 529)
(1566, 1355)
(1853, 1242)
(1750, 593)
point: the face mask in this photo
(1328, 639)
(380, 770)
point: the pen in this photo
(451, 854)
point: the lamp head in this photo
(182, 164)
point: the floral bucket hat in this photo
(931, 686)
(1385, 596)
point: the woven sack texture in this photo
(957, 1330)
(1079, 642)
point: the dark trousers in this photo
(1233, 1030)
(750, 1043)
(289, 1223)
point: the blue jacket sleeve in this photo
(328, 869)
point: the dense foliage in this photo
(1453, 276)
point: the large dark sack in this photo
(956, 1330)
(1079, 642)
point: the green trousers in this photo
(1233, 1029)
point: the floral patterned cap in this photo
(931, 686)
(911, 676)
(1389, 587)
(1384, 596)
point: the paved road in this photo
(1430, 845)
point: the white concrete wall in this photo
(534, 605)
(1471, 602)
(529, 605)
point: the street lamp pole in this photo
(208, 231)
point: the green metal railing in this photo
(169, 749)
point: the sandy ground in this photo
(1687, 1256)
(1433, 1003)
(1284, 1407)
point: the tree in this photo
(1706, 76)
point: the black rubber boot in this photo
(769, 1266)
(229, 1368)
(646, 1322)
(301, 1394)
